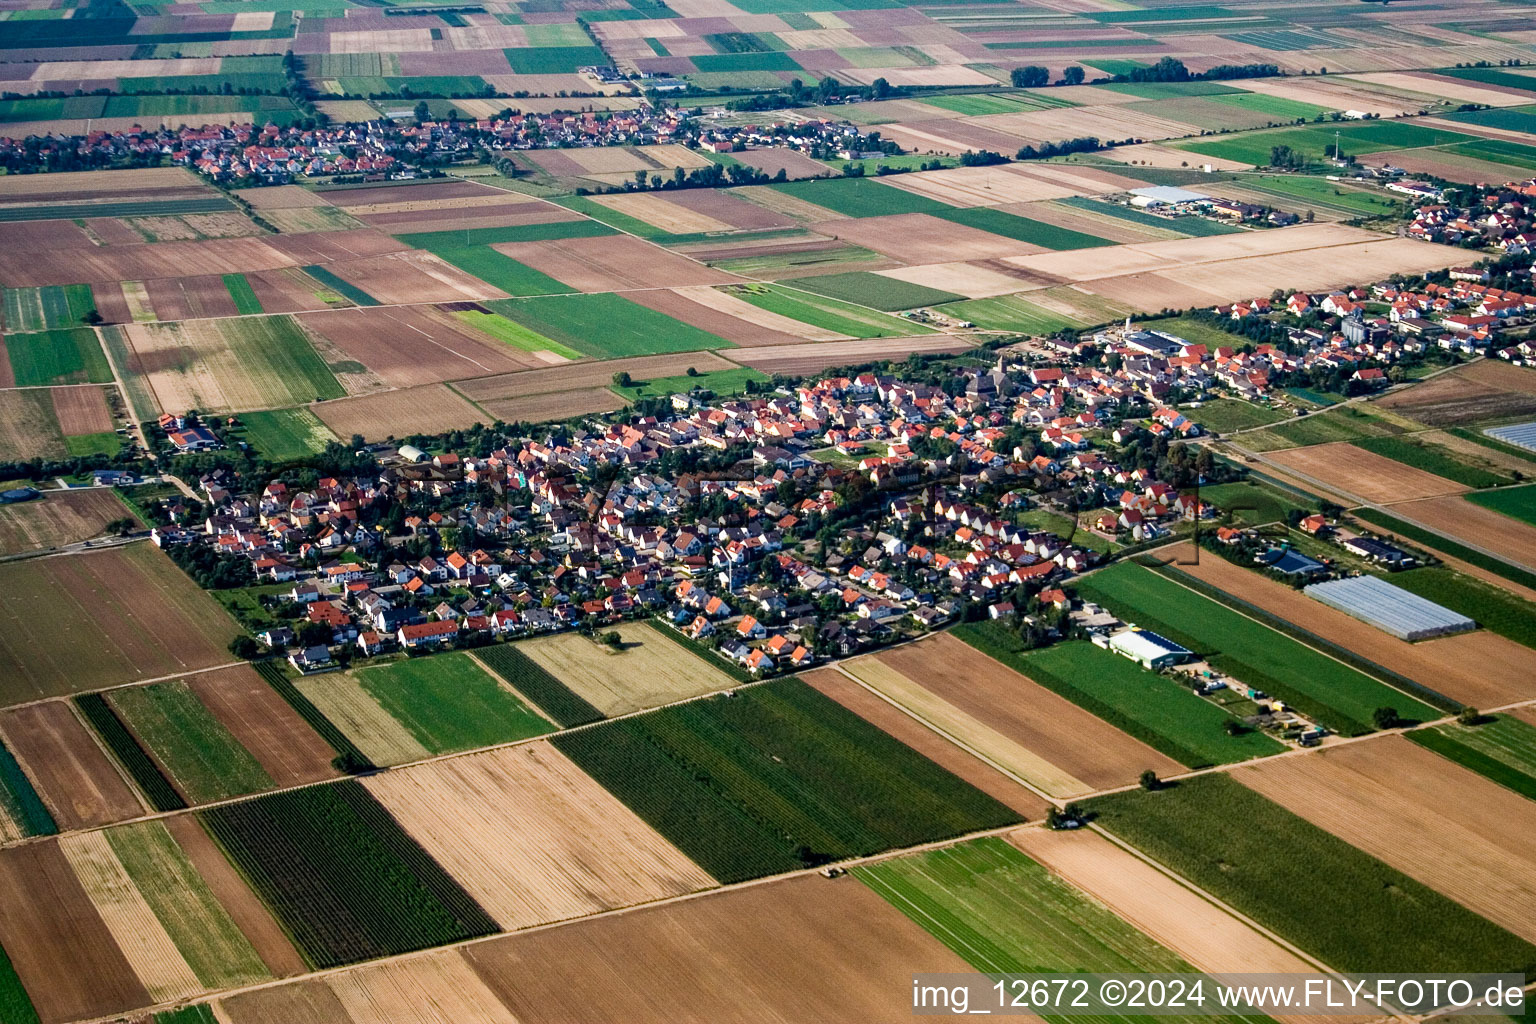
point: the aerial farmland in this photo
(627, 511)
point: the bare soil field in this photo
(558, 405)
(425, 410)
(82, 186)
(587, 375)
(651, 670)
(82, 410)
(1375, 478)
(698, 305)
(411, 345)
(288, 290)
(29, 235)
(1486, 389)
(660, 213)
(80, 786)
(950, 135)
(111, 303)
(1103, 225)
(333, 246)
(1432, 819)
(778, 951)
(1205, 935)
(145, 262)
(896, 722)
(725, 208)
(919, 238)
(283, 744)
(978, 280)
(413, 277)
(1481, 527)
(250, 915)
(533, 838)
(981, 186)
(804, 359)
(433, 190)
(1104, 122)
(58, 517)
(771, 161)
(115, 616)
(1481, 668)
(1052, 728)
(28, 428)
(461, 218)
(611, 263)
(284, 197)
(57, 942)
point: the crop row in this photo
(348, 754)
(20, 801)
(530, 679)
(157, 789)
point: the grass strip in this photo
(157, 789)
(1490, 768)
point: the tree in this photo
(245, 647)
(313, 634)
(422, 111)
(1030, 76)
(612, 639)
(1072, 75)
(622, 379)
(1470, 716)
(1386, 718)
(1150, 781)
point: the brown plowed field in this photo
(288, 290)
(331, 246)
(30, 235)
(57, 941)
(771, 161)
(412, 345)
(557, 405)
(919, 238)
(611, 263)
(108, 296)
(1481, 668)
(1050, 726)
(144, 262)
(578, 376)
(250, 915)
(82, 410)
(723, 206)
(303, 1002)
(59, 517)
(370, 196)
(413, 277)
(1373, 477)
(170, 303)
(890, 719)
(79, 784)
(715, 321)
(1430, 818)
(112, 617)
(803, 359)
(805, 949)
(1478, 526)
(1488, 389)
(283, 743)
(403, 222)
(200, 296)
(533, 838)
(426, 410)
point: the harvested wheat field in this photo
(1486, 389)
(283, 744)
(1349, 470)
(1430, 818)
(377, 733)
(1480, 668)
(148, 947)
(411, 345)
(803, 949)
(414, 276)
(1478, 526)
(650, 670)
(1151, 154)
(533, 838)
(28, 426)
(69, 770)
(893, 720)
(611, 263)
(663, 214)
(57, 942)
(805, 359)
(972, 280)
(431, 409)
(555, 405)
(82, 409)
(57, 518)
(980, 186)
(1039, 735)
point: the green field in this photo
(1325, 193)
(1195, 227)
(1313, 889)
(1171, 90)
(42, 309)
(1225, 415)
(1271, 106)
(1493, 76)
(81, 445)
(1346, 423)
(1004, 913)
(1500, 747)
(1022, 229)
(516, 335)
(277, 344)
(432, 241)
(131, 756)
(283, 435)
(202, 758)
(1338, 696)
(15, 1005)
(341, 876)
(449, 702)
(501, 271)
(724, 63)
(1502, 151)
(1489, 605)
(1010, 313)
(721, 382)
(127, 208)
(39, 108)
(605, 325)
(860, 197)
(67, 355)
(1431, 458)
(1253, 503)
(776, 778)
(241, 292)
(20, 804)
(351, 292)
(977, 104)
(1445, 545)
(214, 947)
(1515, 502)
(825, 312)
(1355, 138)
(527, 677)
(872, 290)
(553, 60)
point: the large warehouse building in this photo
(1151, 650)
(1391, 609)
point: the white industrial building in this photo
(1522, 434)
(1391, 609)
(1153, 651)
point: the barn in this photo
(1145, 646)
(1393, 610)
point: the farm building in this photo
(1165, 195)
(1390, 609)
(1522, 434)
(1292, 562)
(1151, 650)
